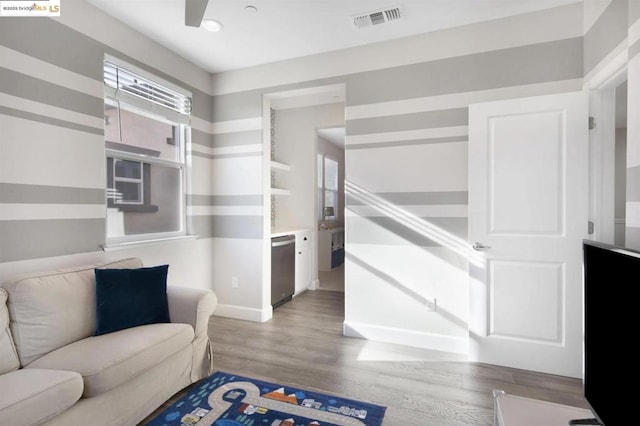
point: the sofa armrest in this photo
(191, 306)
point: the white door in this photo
(528, 205)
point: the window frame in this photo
(182, 138)
(322, 189)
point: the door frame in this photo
(295, 98)
(601, 87)
(486, 344)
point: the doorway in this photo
(608, 151)
(290, 138)
(330, 207)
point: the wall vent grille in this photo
(377, 17)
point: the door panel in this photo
(517, 292)
(528, 207)
(525, 198)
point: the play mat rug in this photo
(229, 400)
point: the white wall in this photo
(241, 258)
(296, 133)
(189, 262)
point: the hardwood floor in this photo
(303, 346)
(332, 280)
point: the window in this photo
(146, 133)
(327, 188)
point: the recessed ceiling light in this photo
(250, 9)
(212, 25)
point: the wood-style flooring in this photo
(332, 280)
(303, 346)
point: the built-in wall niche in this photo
(278, 169)
(294, 120)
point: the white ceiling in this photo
(335, 135)
(285, 29)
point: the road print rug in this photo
(229, 400)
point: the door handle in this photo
(479, 246)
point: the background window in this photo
(327, 188)
(128, 182)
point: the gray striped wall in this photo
(396, 134)
(235, 153)
(634, 12)
(406, 154)
(57, 44)
(539, 64)
(52, 200)
(406, 165)
(606, 34)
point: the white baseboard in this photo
(299, 292)
(243, 313)
(438, 342)
(315, 284)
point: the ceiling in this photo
(285, 29)
(335, 135)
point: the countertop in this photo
(336, 229)
(279, 232)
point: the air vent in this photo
(377, 17)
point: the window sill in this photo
(143, 243)
(135, 208)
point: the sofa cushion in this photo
(130, 297)
(51, 309)
(107, 361)
(31, 396)
(8, 356)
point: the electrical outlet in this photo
(431, 304)
(234, 282)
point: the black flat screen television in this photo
(611, 275)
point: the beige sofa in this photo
(54, 371)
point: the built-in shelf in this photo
(280, 191)
(280, 166)
(276, 165)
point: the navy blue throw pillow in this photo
(130, 297)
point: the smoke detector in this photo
(377, 17)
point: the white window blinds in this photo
(134, 89)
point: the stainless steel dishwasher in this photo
(283, 269)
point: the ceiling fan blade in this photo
(194, 11)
